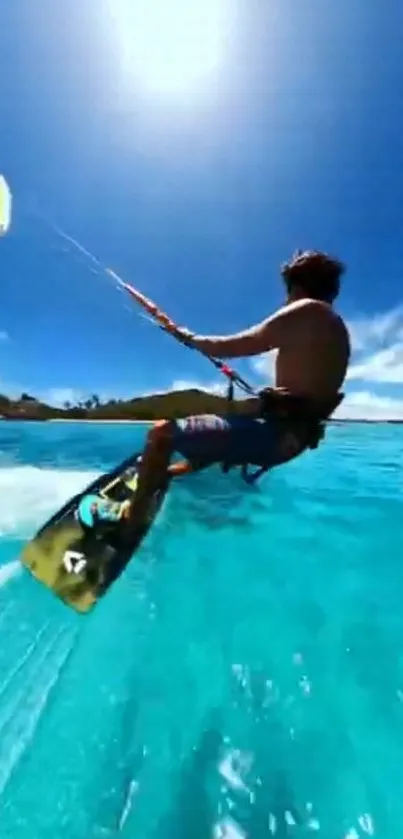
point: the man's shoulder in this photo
(307, 304)
(314, 312)
(311, 305)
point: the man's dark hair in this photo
(315, 273)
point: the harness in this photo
(283, 406)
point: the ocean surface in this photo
(244, 678)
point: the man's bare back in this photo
(314, 359)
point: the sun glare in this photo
(171, 45)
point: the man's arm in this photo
(273, 333)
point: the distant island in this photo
(140, 408)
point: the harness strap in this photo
(247, 476)
(251, 478)
(285, 406)
(230, 397)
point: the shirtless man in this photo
(313, 355)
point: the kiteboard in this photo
(78, 558)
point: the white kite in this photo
(5, 206)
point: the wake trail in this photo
(20, 732)
(6, 611)
(20, 664)
(9, 571)
(30, 495)
(35, 666)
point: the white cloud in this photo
(57, 396)
(377, 344)
(377, 350)
(265, 365)
(189, 384)
(369, 406)
(376, 329)
(383, 366)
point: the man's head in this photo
(313, 274)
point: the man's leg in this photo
(205, 440)
(202, 440)
(153, 466)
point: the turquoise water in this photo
(243, 679)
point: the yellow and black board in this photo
(79, 563)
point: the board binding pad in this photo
(79, 563)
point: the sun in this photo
(171, 45)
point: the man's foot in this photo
(175, 470)
(125, 509)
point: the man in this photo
(313, 355)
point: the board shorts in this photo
(230, 440)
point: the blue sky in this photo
(272, 126)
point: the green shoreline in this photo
(143, 409)
(169, 405)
